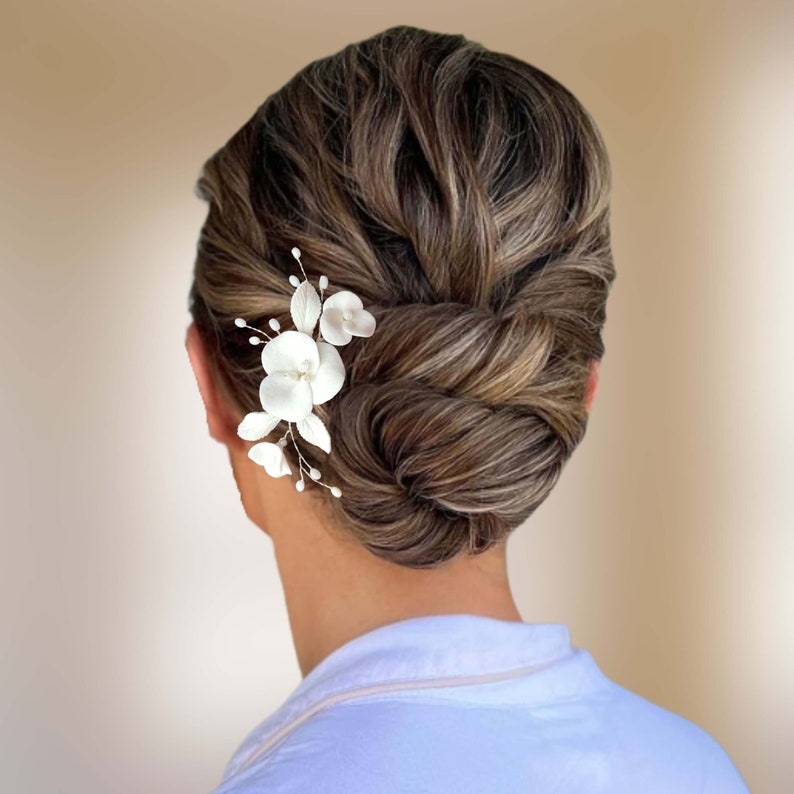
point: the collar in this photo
(426, 651)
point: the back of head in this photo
(463, 195)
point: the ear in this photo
(220, 422)
(592, 384)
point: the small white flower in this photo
(272, 457)
(301, 373)
(344, 317)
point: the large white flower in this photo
(301, 373)
(344, 317)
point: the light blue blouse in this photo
(465, 704)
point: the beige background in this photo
(143, 627)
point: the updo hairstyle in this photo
(463, 195)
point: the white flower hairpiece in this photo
(302, 372)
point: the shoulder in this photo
(663, 742)
(611, 741)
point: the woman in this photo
(454, 204)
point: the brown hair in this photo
(463, 194)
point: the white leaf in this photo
(315, 432)
(257, 425)
(305, 307)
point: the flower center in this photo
(303, 370)
(346, 317)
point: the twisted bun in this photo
(454, 426)
(463, 195)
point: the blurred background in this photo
(143, 626)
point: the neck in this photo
(336, 590)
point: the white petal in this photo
(315, 432)
(362, 323)
(331, 327)
(286, 351)
(272, 457)
(285, 397)
(344, 300)
(256, 425)
(330, 375)
(305, 307)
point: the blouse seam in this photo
(346, 696)
(462, 703)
